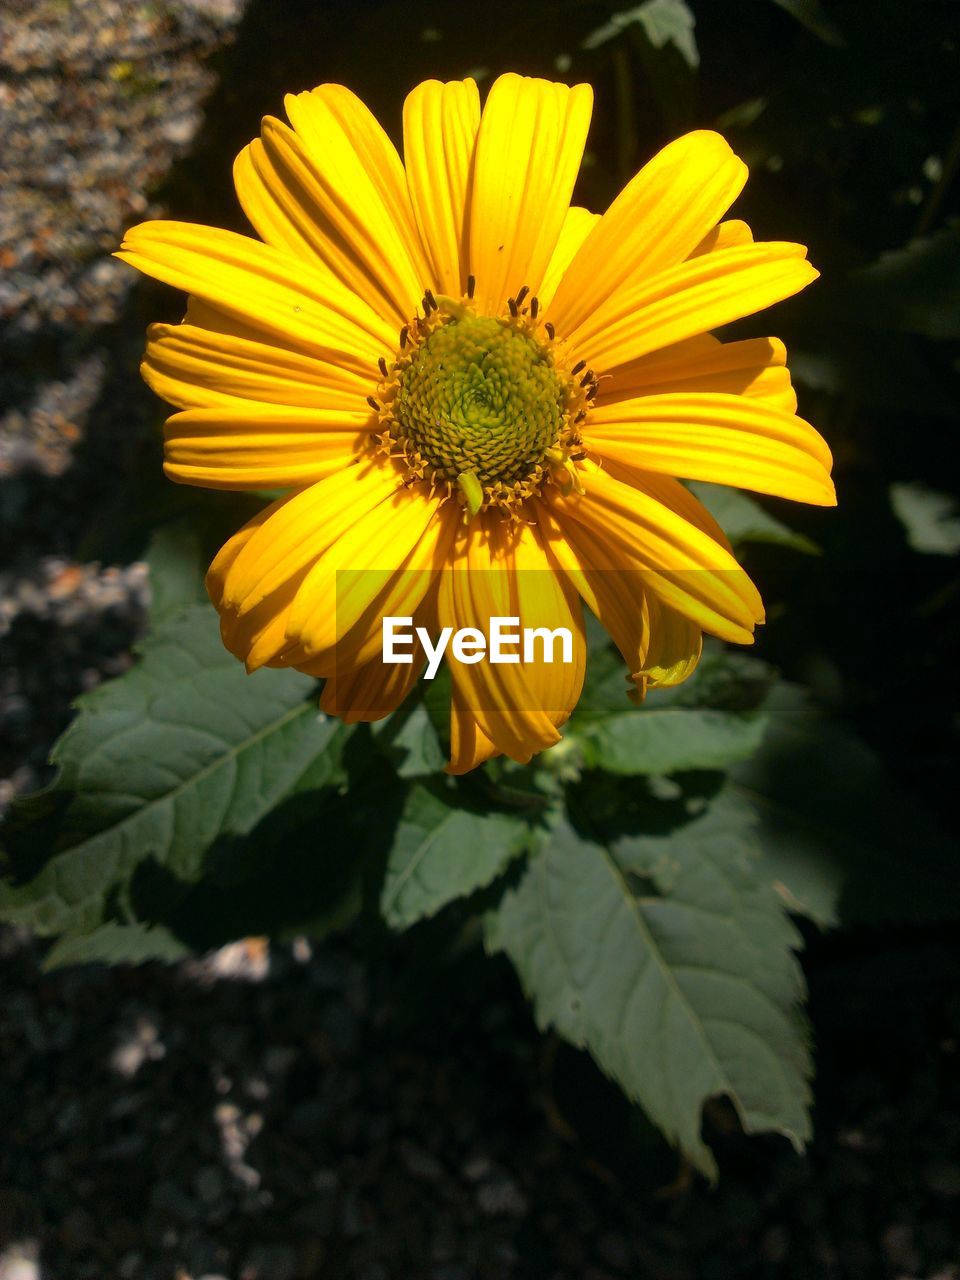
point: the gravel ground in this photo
(98, 99)
(306, 1112)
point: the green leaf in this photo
(116, 943)
(671, 962)
(180, 549)
(441, 852)
(708, 722)
(413, 747)
(668, 739)
(840, 839)
(662, 22)
(175, 557)
(181, 752)
(930, 518)
(916, 289)
(744, 520)
(811, 14)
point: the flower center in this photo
(480, 396)
(479, 406)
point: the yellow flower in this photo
(478, 396)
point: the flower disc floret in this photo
(482, 396)
(478, 407)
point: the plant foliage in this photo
(651, 879)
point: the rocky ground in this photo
(307, 1112)
(98, 99)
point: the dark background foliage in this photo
(849, 117)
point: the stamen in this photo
(514, 309)
(534, 307)
(522, 294)
(551, 331)
(581, 364)
(374, 404)
(404, 334)
(382, 364)
(471, 286)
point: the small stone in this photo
(477, 1168)
(419, 1163)
(270, 1262)
(500, 1194)
(19, 1262)
(899, 1248)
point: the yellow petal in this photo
(612, 593)
(659, 646)
(260, 636)
(682, 565)
(333, 189)
(690, 299)
(382, 565)
(546, 600)
(529, 147)
(274, 296)
(262, 447)
(373, 690)
(723, 236)
(577, 225)
(469, 745)
(301, 527)
(195, 367)
(674, 649)
(224, 559)
(674, 646)
(672, 494)
(296, 206)
(440, 123)
(752, 367)
(654, 223)
(480, 584)
(370, 692)
(727, 439)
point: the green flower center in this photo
(480, 397)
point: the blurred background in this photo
(268, 1114)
